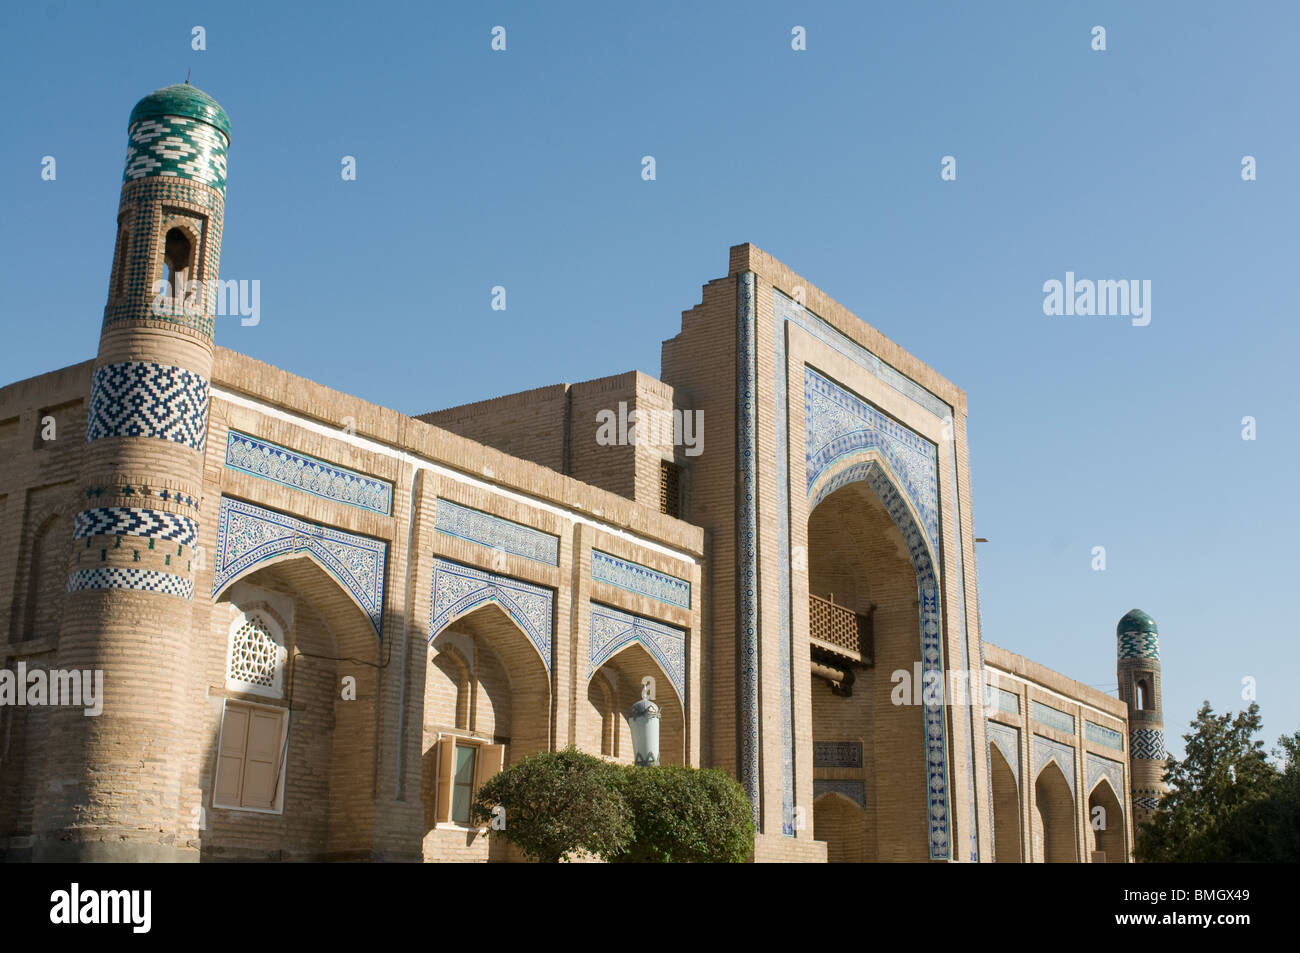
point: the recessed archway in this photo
(1055, 816)
(1006, 809)
(1106, 823)
(612, 691)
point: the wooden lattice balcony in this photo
(839, 630)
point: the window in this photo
(119, 260)
(250, 757)
(463, 765)
(256, 655)
(670, 488)
(1142, 691)
(177, 258)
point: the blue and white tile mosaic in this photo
(248, 535)
(837, 754)
(634, 577)
(267, 460)
(1007, 740)
(494, 532)
(131, 521)
(1147, 744)
(855, 791)
(1046, 750)
(1008, 701)
(144, 399)
(1146, 803)
(460, 589)
(1112, 771)
(612, 630)
(1100, 734)
(1051, 717)
(124, 577)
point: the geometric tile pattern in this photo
(634, 577)
(1100, 734)
(139, 489)
(1139, 645)
(837, 754)
(249, 534)
(840, 423)
(1046, 750)
(494, 532)
(129, 521)
(142, 580)
(1008, 701)
(855, 791)
(301, 472)
(176, 146)
(612, 630)
(1052, 718)
(1147, 744)
(144, 399)
(1007, 740)
(458, 589)
(1146, 803)
(1112, 771)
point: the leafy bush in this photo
(686, 815)
(557, 804)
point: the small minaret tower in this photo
(113, 782)
(1137, 668)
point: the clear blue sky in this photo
(522, 169)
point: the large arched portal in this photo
(487, 704)
(1106, 823)
(865, 636)
(1054, 817)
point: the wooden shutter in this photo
(262, 758)
(446, 771)
(230, 757)
(490, 762)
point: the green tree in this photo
(686, 815)
(1224, 773)
(557, 803)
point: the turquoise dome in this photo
(181, 100)
(1135, 620)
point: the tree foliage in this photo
(687, 815)
(1225, 801)
(557, 804)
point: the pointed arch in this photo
(1106, 822)
(1054, 800)
(1007, 848)
(459, 590)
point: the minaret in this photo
(1137, 667)
(113, 782)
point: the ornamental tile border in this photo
(1052, 717)
(747, 553)
(1112, 771)
(248, 535)
(269, 461)
(1147, 744)
(495, 532)
(634, 577)
(612, 630)
(131, 521)
(855, 791)
(458, 589)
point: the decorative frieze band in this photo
(267, 460)
(837, 754)
(144, 399)
(1147, 744)
(495, 532)
(640, 579)
(1101, 735)
(1051, 717)
(130, 521)
(141, 580)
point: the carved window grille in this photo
(257, 657)
(670, 488)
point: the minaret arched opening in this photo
(178, 261)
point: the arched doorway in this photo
(1054, 817)
(612, 691)
(865, 615)
(842, 824)
(487, 704)
(1006, 809)
(1106, 824)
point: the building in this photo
(322, 623)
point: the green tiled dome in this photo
(181, 100)
(1137, 636)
